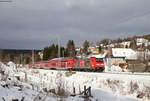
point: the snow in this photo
(116, 83)
(116, 68)
(29, 95)
(105, 86)
(97, 55)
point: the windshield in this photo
(99, 59)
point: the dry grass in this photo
(113, 84)
(35, 71)
(133, 87)
(145, 93)
(70, 73)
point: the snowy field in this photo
(105, 86)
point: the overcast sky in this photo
(27, 24)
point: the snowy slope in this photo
(119, 84)
(105, 86)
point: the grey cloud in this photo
(41, 22)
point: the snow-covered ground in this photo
(114, 85)
(105, 86)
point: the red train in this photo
(90, 64)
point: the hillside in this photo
(131, 38)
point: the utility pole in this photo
(58, 39)
(32, 56)
(21, 59)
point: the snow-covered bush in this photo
(61, 85)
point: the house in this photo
(115, 56)
(127, 53)
(125, 44)
(93, 49)
(141, 41)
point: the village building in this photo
(125, 44)
(118, 56)
(141, 41)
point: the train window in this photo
(99, 59)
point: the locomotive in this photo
(70, 63)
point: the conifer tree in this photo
(86, 45)
(71, 48)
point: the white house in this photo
(140, 41)
(127, 53)
(126, 43)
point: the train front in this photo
(97, 64)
